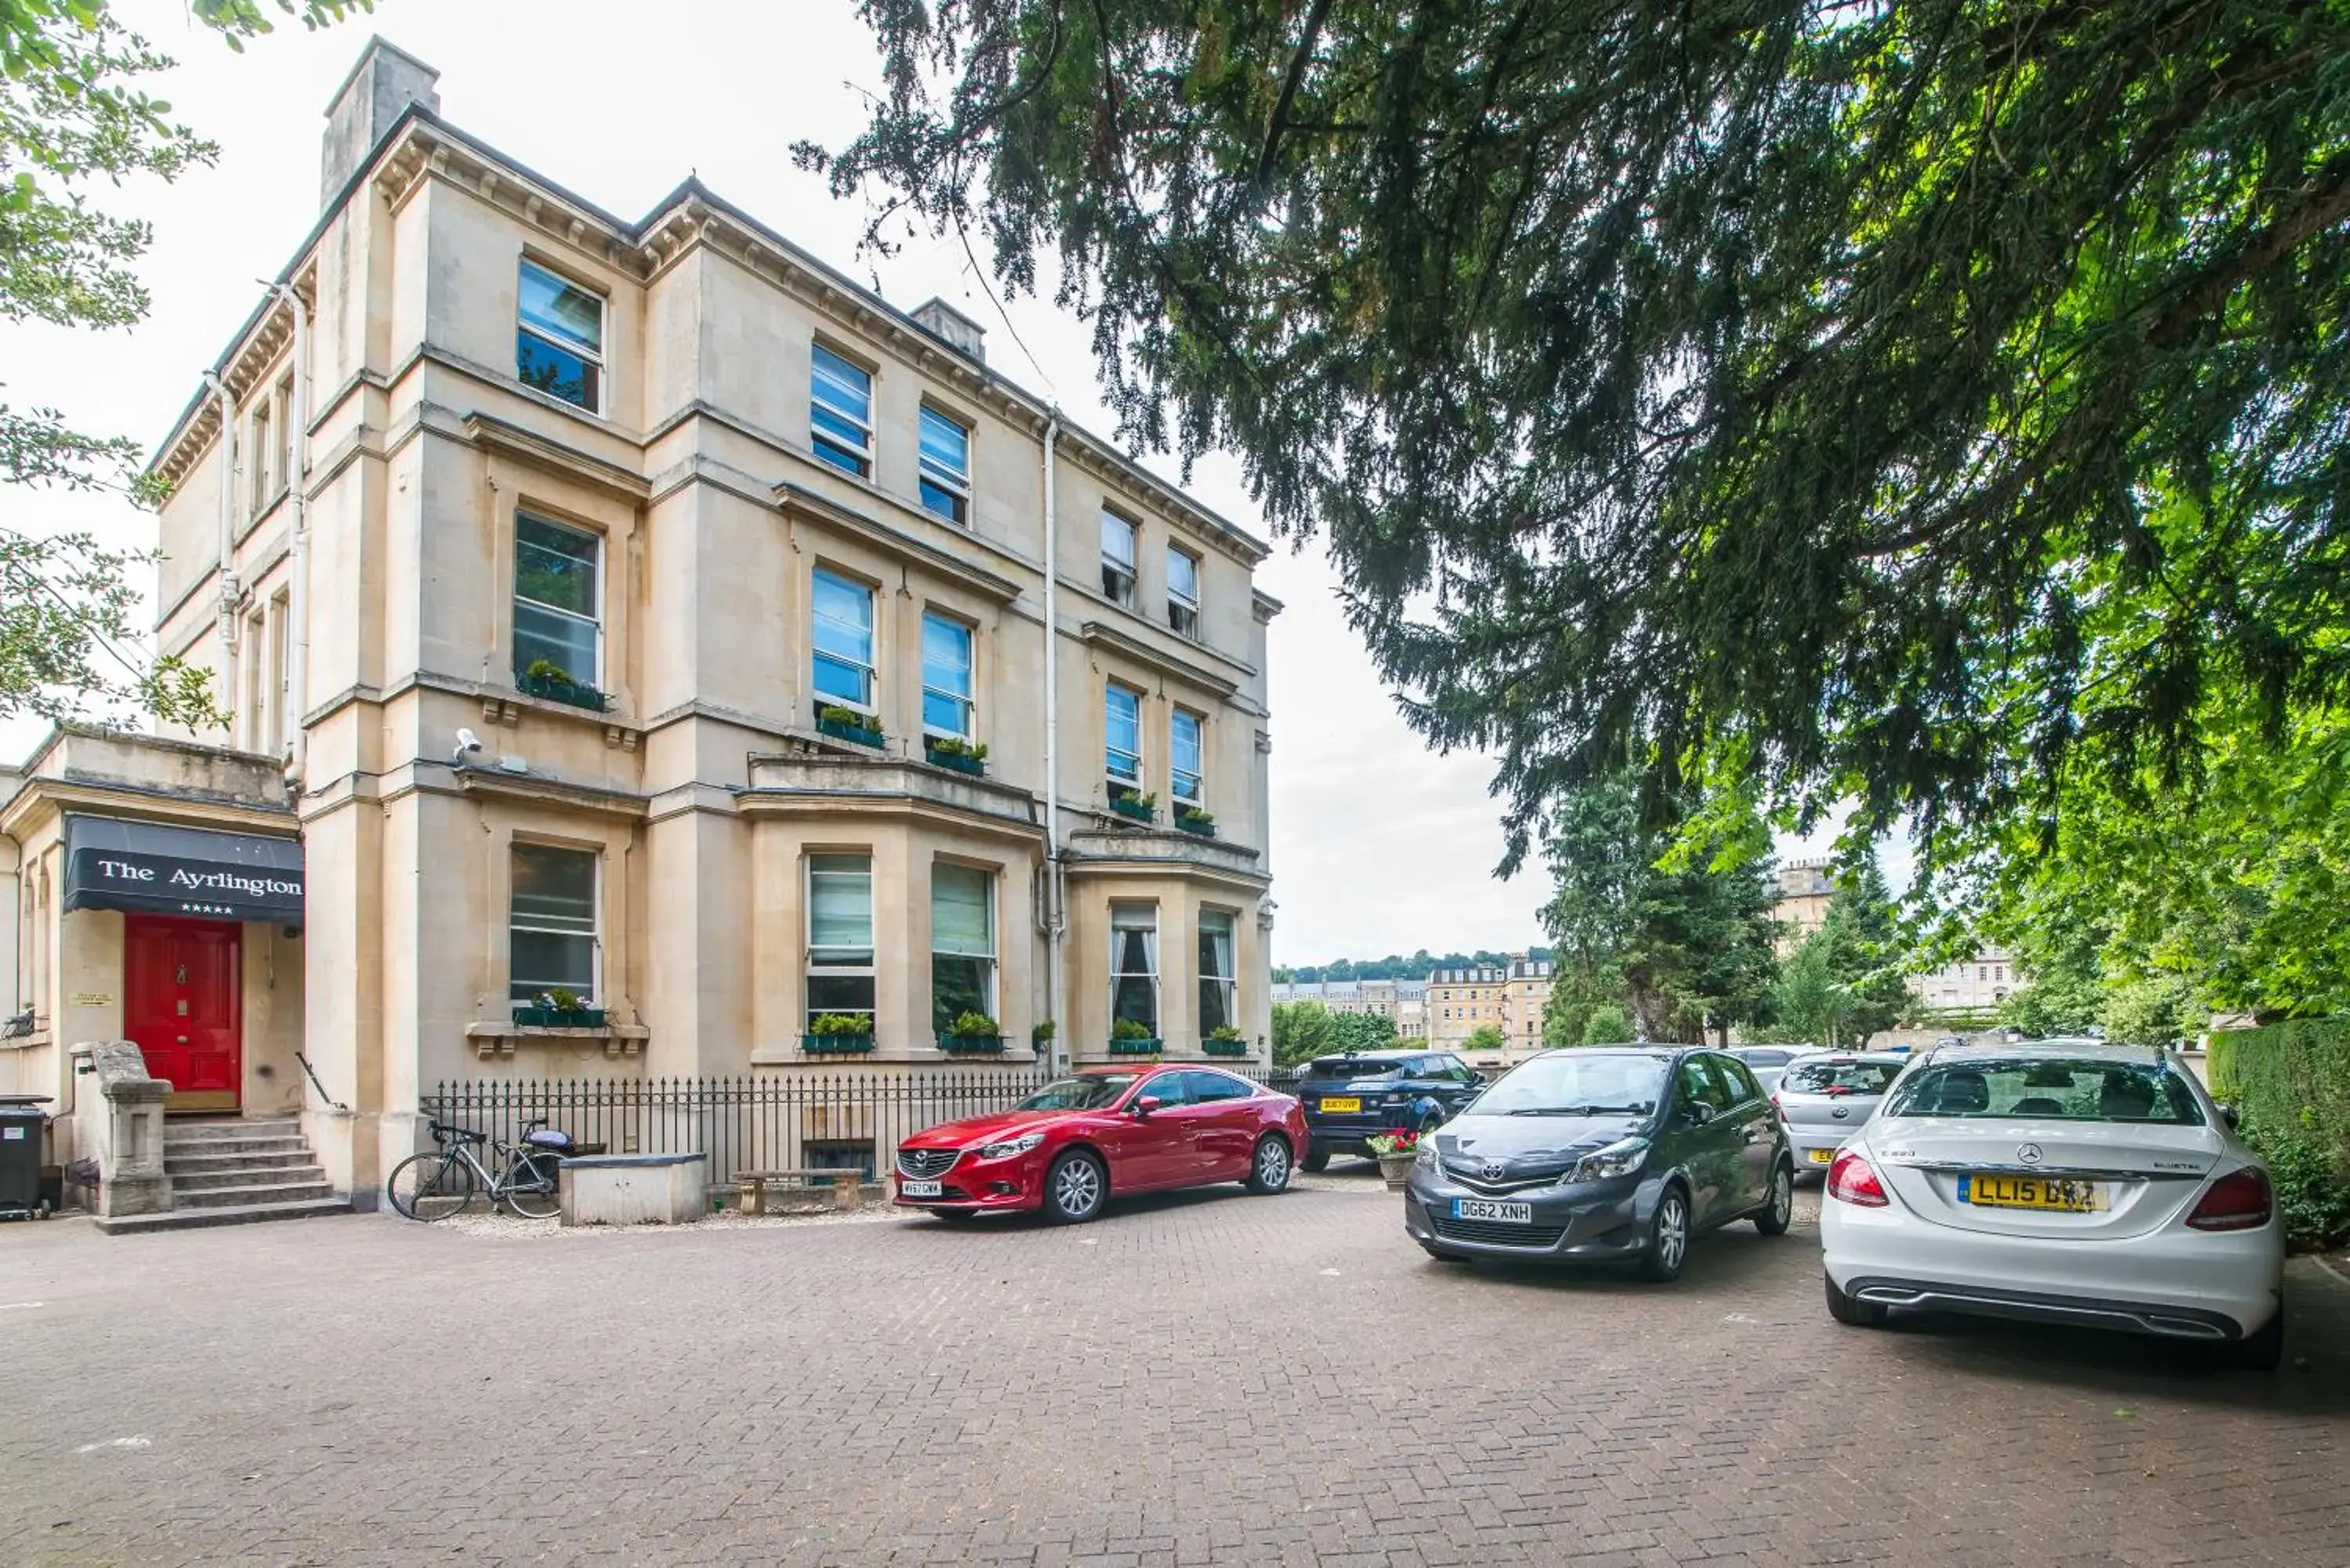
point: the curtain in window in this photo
(962, 944)
(1216, 1009)
(1134, 966)
(840, 908)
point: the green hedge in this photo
(2291, 1082)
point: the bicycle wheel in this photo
(535, 1193)
(430, 1186)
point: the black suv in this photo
(1349, 1098)
(1604, 1155)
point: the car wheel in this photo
(1075, 1187)
(1852, 1312)
(1269, 1165)
(1430, 1122)
(1317, 1160)
(2260, 1352)
(1773, 1218)
(1669, 1238)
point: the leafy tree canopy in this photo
(1870, 401)
(72, 115)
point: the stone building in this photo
(653, 654)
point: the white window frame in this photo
(594, 357)
(817, 436)
(994, 958)
(595, 937)
(1198, 798)
(596, 620)
(1156, 973)
(1109, 750)
(1182, 610)
(1231, 980)
(969, 705)
(956, 485)
(1130, 568)
(258, 442)
(870, 707)
(869, 971)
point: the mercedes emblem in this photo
(2028, 1153)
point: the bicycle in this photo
(443, 1181)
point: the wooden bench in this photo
(847, 1190)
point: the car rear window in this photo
(2050, 1088)
(1352, 1067)
(1840, 1077)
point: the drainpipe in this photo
(296, 696)
(227, 510)
(1057, 923)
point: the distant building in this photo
(1802, 906)
(1512, 996)
(1979, 984)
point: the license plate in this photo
(909, 1187)
(1336, 1104)
(1486, 1209)
(1823, 1156)
(1987, 1191)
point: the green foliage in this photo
(1864, 400)
(955, 746)
(72, 116)
(1361, 1032)
(976, 1026)
(1486, 1038)
(1808, 1003)
(1608, 1025)
(1127, 1029)
(1195, 818)
(2292, 1084)
(560, 999)
(848, 718)
(1301, 1032)
(1041, 1034)
(547, 670)
(1224, 1033)
(1396, 966)
(835, 1024)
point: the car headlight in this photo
(1621, 1158)
(1425, 1154)
(1011, 1146)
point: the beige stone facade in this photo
(1511, 997)
(568, 566)
(1402, 1003)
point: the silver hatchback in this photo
(1825, 1097)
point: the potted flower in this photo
(1395, 1151)
(545, 678)
(953, 752)
(1192, 820)
(1127, 1038)
(848, 724)
(973, 1034)
(558, 1007)
(1042, 1035)
(1133, 804)
(839, 1034)
(1225, 1040)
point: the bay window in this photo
(551, 922)
(840, 936)
(962, 944)
(1134, 966)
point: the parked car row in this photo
(2060, 1182)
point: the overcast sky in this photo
(1378, 845)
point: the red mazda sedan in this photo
(1078, 1142)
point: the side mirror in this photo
(2227, 1113)
(1699, 1112)
(1146, 1105)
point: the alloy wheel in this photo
(1672, 1234)
(1077, 1187)
(1272, 1165)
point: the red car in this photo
(1072, 1145)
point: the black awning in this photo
(113, 864)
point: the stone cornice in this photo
(1094, 634)
(895, 542)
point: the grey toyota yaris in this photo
(1610, 1154)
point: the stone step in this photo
(258, 1192)
(240, 1214)
(176, 1131)
(225, 1148)
(246, 1175)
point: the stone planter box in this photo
(558, 689)
(633, 1189)
(836, 1045)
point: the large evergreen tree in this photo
(1871, 400)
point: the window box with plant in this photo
(1225, 1040)
(1133, 804)
(545, 678)
(839, 1034)
(848, 724)
(1127, 1038)
(558, 1009)
(952, 752)
(975, 1034)
(1192, 820)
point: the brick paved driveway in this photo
(1209, 1378)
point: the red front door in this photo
(179, 993)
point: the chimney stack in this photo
(386, 80)
(952, 327)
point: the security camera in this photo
(468, 744)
